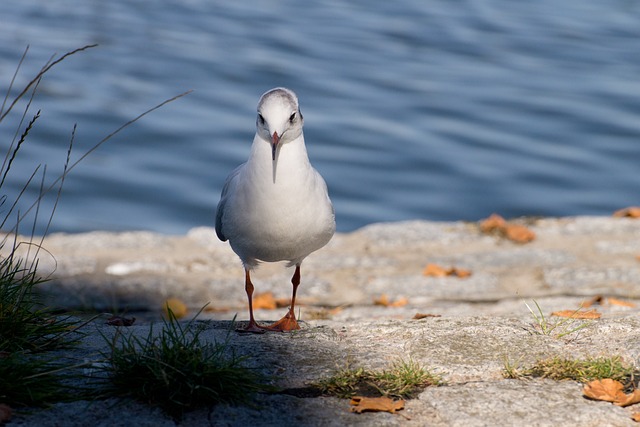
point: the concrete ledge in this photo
(482, 319)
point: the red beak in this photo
(275, 139)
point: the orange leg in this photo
(253, 325)
(289, 322)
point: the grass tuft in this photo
(583, 370)
(558, 328)
(26, 325)
(403, 379)
(176, 371)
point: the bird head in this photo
(279, 119)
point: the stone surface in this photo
(478, 323)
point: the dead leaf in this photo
(283, 302)
(419, 316)
(610, 390)
(120, 321)
(386, 302)
(629, 399)
(606, 389)
(598, 299)
(577, 314)
(630, 212)
(5, 413)
(177, 307)
(434, 270)
(264, 301)
(619, 302)
(635, 416)
(519, 233)
(514, 232)
(494, 223)
(376, 404)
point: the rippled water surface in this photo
(441, 110)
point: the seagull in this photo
(275, 207)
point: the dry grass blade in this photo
(44, 69)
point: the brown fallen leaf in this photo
(419, 316)
(493, 223)
(619, 302)
(630, 399)
(386, 302)
(265, 301)
(597, 300)
(519, 233)
(577, 314)
(376, 404)
(515, 232)
(177, 307)
(635, 416)
(607, 389)
(610, 390)
(120, 321)
(600, 300)
(283, 302)
(434, 270)
(5, 413)
(630, 212)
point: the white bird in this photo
(275, 207)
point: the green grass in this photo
(176, 371)
(583, 370)
(558, 328)
(29, 374)
(25, 324)
(403, 379)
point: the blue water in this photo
(440, 110)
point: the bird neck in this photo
(291, 158)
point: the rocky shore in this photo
(358, 301)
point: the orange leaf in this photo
(519, 233)
(400, 302)
(635, 416)
(598, 299)
(630, 212)
(460, 272)
(264, 301)
(386, 302)
(577, 314)
(176, 306)
(629, 399)
(606, 389)
(619, 302)
(419, 316)
(375, 404)
(493, 223)
(434, 270)
(514, 232)
(283, 302)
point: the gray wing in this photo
(223, 201)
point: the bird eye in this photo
(292, 117)
(261, 119)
